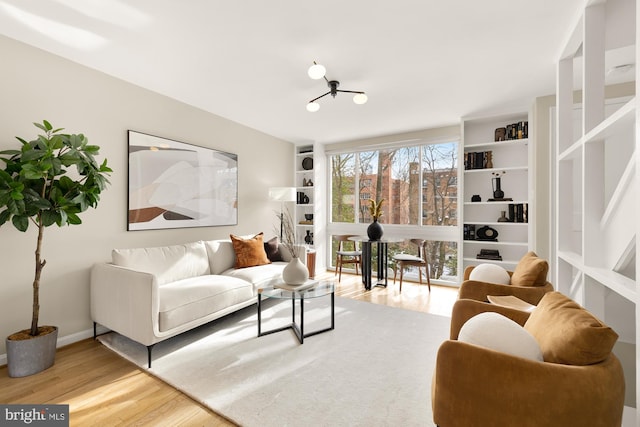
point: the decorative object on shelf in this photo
(476, 198)
(519, 130)
(308, 238)
(503, 217)
(282, 195)
(469, 231)
(307, 163)
(302, 198)
(500, 134)
(498, 194)
(489, 163)
(307, 182)
(48, 181)
(518, 212)
(487, 233)
(295, 272)
(375, 230)
(308, 217)
(490, 254)
(316, 72)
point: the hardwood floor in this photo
(103, 389)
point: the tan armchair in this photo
(476, 386)
(530, 282)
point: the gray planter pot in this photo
(28, 357)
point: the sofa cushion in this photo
(189, 299)
(249, 251)
(167, 263)
(530, 271)
(272, 248)
(490, 273)
(499, 333)
(261, 276)
(221, 255)
(569, 334)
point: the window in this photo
(419, 186)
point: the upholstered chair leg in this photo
(426, 270)
(401, 275)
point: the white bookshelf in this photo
(596, 190)
(512, 159)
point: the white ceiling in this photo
(422, 63)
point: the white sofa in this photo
(151, 294)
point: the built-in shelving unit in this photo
(596, 190)
(510, 159)
(308, 214)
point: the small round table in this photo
(382, 259)
(312, 289)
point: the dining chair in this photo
(347, 253)
(408, 260)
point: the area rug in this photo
(373, 369)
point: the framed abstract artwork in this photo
(176, 185)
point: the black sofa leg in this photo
(95, 334)
(149, 348)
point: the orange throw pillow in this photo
(249, 252)
(530, 271)
(569, 334)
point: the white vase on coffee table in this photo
(295, 273)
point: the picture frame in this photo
(173, 184)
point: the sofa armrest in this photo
(465, 309)
(473, 289)
(476, 386)
(126, 301)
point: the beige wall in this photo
(36, 85)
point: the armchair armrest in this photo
(126, 301)
(465, 309)
(476, 386)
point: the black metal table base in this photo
(367, 257)
(298, 330)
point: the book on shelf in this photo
(489, 254)
(518, 212)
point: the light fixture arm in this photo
(333, 86)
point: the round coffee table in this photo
(313, 289)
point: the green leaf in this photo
(31, 155)
(49, 217)
(39, 126)
(21, 222)
(4, 216)
(74, 219)
(47, 125)
(10, 152)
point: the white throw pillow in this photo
(490, 273)
(499, 333)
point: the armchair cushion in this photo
(490, 273)
(249, 252)
(499, 333)
(530, 271)
(569, 334)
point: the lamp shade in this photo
(282, 194)
(313, 107)
(316, 71)
(360, 98)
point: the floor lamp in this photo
(282, 195)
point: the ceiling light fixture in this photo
(316, 72)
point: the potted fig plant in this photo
(49, 180)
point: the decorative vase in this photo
(295, 273)
(308, 239)
(29, 356)
(497, 190)
(375, 230)
(503, 217)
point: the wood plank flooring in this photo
(103, 389)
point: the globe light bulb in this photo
(360, 98)
(316, 71)
(313, 107)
